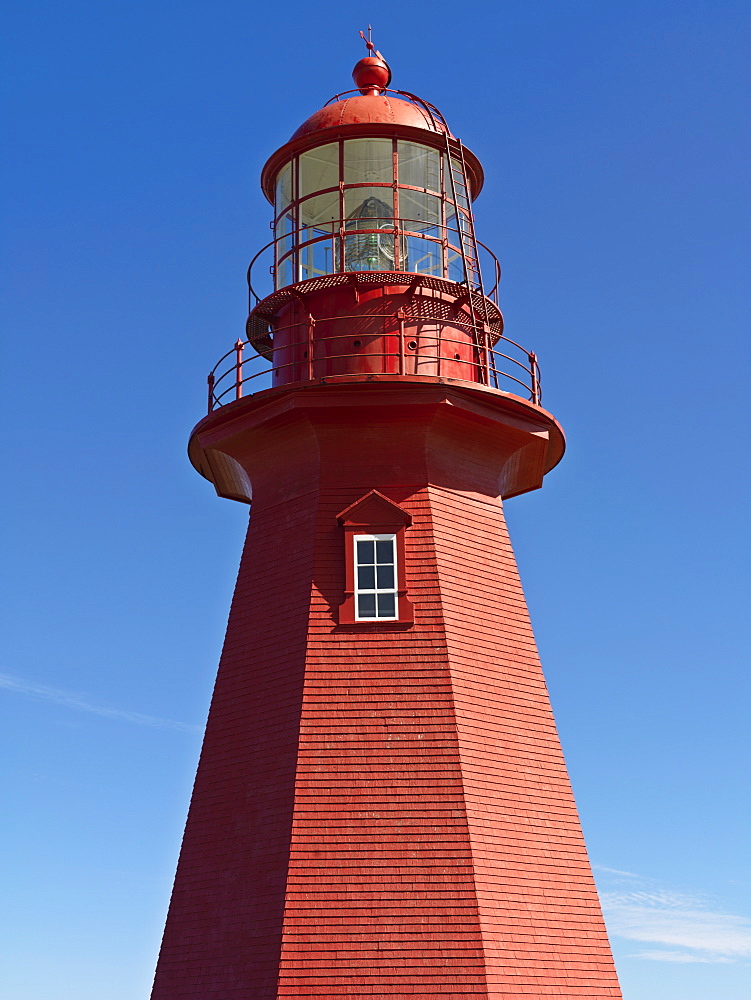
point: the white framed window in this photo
(375, 578)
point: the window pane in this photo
(366, 606)
(285, 243)
(421, 212)
(317, 257)
(423, 256)
(385, 578)
(456, 266)
(320, 209)
(368, 161)
(319, 169)
(385, 552)
(366, 577)
(386, 606)
(372, 210)
(283, 188)
(368, 205)
(419, 166)
(365, 552)
(285, 229)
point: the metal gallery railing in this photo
(459, 351)
(437, 122)
(342, 246)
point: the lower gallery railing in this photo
(300, 352)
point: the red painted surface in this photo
(381, 809)
(224, 926)
(365, 116)
(527, 441)
(368, 109)
(359, 327)
(371, 74)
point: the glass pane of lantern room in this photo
(368, 161)
(319, 220)
(319, 169)
(320, 210)
(285, 242)
(419, 166)
(421, 222)
(373, 207)
(420, 212)
(370, 243)
(454, 252)
(284, 189)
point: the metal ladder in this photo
(468, 246)
(455, 151)
(465, 223)
(467, 238)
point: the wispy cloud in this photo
(680, 956)
(690, 928)
(80, 702)
(615, 871)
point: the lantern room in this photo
(369, 183)
(371, 204)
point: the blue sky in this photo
(614, 138)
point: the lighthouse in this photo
(381, 807)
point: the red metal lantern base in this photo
(344, 324)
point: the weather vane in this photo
(372, 49)
(369, 40)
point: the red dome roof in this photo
(371, 111)
(368, 109)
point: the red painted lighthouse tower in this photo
(381, 807)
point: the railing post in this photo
(211, 381)
(400, 316)
(239, 369)
(535, 379)
(311, 329)
(486, 355)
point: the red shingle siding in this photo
(380, 865)
(223, 932)
(541, 921)
(381, 809)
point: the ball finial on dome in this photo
(371, 74)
